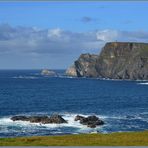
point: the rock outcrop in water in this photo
(46, 72)
(19, 118)
(40, 119)
(90, 121)
(117, 60)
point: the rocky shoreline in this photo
(90, 121)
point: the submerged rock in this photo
(57, 119)
(47, 72)
(90, 121)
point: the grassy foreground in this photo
(113, 139)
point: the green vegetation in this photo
(144, 50)
(113, 139)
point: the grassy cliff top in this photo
(125, 49)
(113, 139)
(123, 43)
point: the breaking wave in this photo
(143, 83)
(25, 77)
(22, 128)
(9, 128)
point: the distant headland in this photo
(117, 60)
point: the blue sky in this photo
(54, 34)
(111, 15)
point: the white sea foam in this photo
(25, 77)
(67, 77)
(73, 127)
(146, 83)
(144, 113)
(8, 122)
(25, 125)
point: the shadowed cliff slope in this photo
(117, 60)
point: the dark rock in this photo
(91, 125)
(92, 118)
(40, 119)
(17, 118)
(99, 122)
(57, 119)
(117, 60)
(90, 121)
(78, 117)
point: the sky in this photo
(37, 35)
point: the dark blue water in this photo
(123, 105)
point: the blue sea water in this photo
(122, 105)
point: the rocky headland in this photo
(117, 60)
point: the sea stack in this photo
(117, 60)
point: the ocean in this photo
(121, 104)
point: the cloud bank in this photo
(33, 40)
(41, 41)
(58, 41)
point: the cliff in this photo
(117, 60)
(84, 66)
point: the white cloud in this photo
(33, 40)
(107, 35)
(54, 32)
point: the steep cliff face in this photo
(117, 60)
(123, 61)
(71, 71)
(84, 66)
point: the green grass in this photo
(113, 139)
(144, 50)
